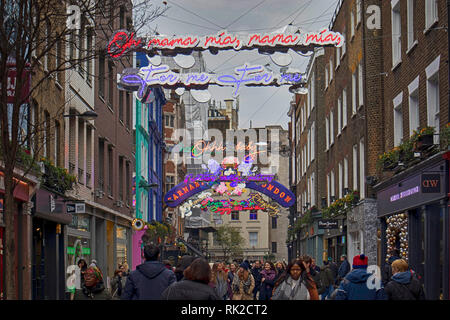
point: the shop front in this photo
(21, 224)
(48, 263)
(413, 211)
(335, 240)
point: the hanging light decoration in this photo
(397, 228)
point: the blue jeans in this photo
(327, 292)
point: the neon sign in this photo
(122, 41)
(133, 79)
(226, 206)
(231, 178)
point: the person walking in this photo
(92, 287)
(386, 272)
(194, 285)
(149, 279)
(118, 282)
(314, 267)
(334, 267)
(185, 261)
(280, 268)
(327, 280)
(267, 275)
(296, 284)
(230, 278)
(243, 283)
(219, 280)
(82, 264)
(354, 286)
(255, 273)
(343, 270)
(404, 285)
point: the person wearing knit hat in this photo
(93, 287)
(243, 283)
(358, 284)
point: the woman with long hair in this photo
(230, 279)
(219, 280)
(267, 276)
(243, 283)
(296, 284)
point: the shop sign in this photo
(84, 251)
(123, 41)
(413, 191)
(76, 208)
(431, 183)
(328, 224)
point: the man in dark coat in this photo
(149, 279)
(333, 266)
(344, 269)
(326, 279)
(256, 270)
(386, 273)
(356, 286)
(403, 285)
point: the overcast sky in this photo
(262, 105)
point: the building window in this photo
(57, 144)
(253, 214)
(344, 108)
(432, 72)
(345, 173)
(57, 59)
(331, 69)
(128, 104)
(396, 32)
(340, 180)
(398, 120)
(81, 150)
(313, 140)
(313, 190)
(431, 13)
(339, 115)
(101, 160)
(111, 83)
(360, 85)
(89, 36)
(355, 167)
(413, 106)
(352, 24)
(332, 189)
(46, 133)
(313, 91)
(358, 12)
(344, 45)
(331, 128)
(274, 222)
(120, 105)
(121, 178)
(328, 188)
(235, 215)
(362, 174)
(89, 158)
(170, 183)
(354, 93)
(127, 182)
(326, 77)
(274, 247)
(253, 239)
(410, 24)
(338, 57)
(327, 132)
(101, 76)
(169, 120)
(110, 171)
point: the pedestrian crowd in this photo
(196, 279)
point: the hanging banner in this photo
(140, 80)
(123, 41)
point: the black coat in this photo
(404, 286)
(189, 290)
(256, 275)
(148, 281)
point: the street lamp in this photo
(87, 115)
